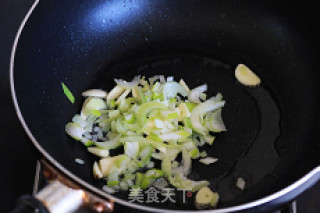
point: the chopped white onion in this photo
(169, 125)
(143, 118)
(80, 121)
(208, 160)
(162, 79)
(153, 79)
(75, 131)
(161, 183)
(197, 93)
(99, 152)
(79, 161)
(241, 183)
(87, 135)
(150, 164)
(170, 78)
(184, 85)
(108, 189)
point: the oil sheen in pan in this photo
(251, 115)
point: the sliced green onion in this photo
(96, 113)
(194, 153)
(112, 183)
(68, 93)
(87, 142)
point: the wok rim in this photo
(259, 202)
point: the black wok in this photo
(273, 130)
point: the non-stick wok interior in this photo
(272, 129)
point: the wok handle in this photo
(57, 197)
(29, 204)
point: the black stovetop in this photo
(17, 156)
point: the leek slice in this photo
(172, 88)
(197, 93)
(128, 85)
(110, 144)
(97, 171)
(95, 93)
(145, 109)
(199, 111)
(74, 130)
(115, 93)
(99, 152)
(149, 119)
(131, 149)
(208, 160)
(92, 104)
(214, 121)
(182, 182)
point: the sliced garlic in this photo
(245, 76)
(97, 171)
(206, 198)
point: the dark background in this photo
(17, 155)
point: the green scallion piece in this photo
(68, 93)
